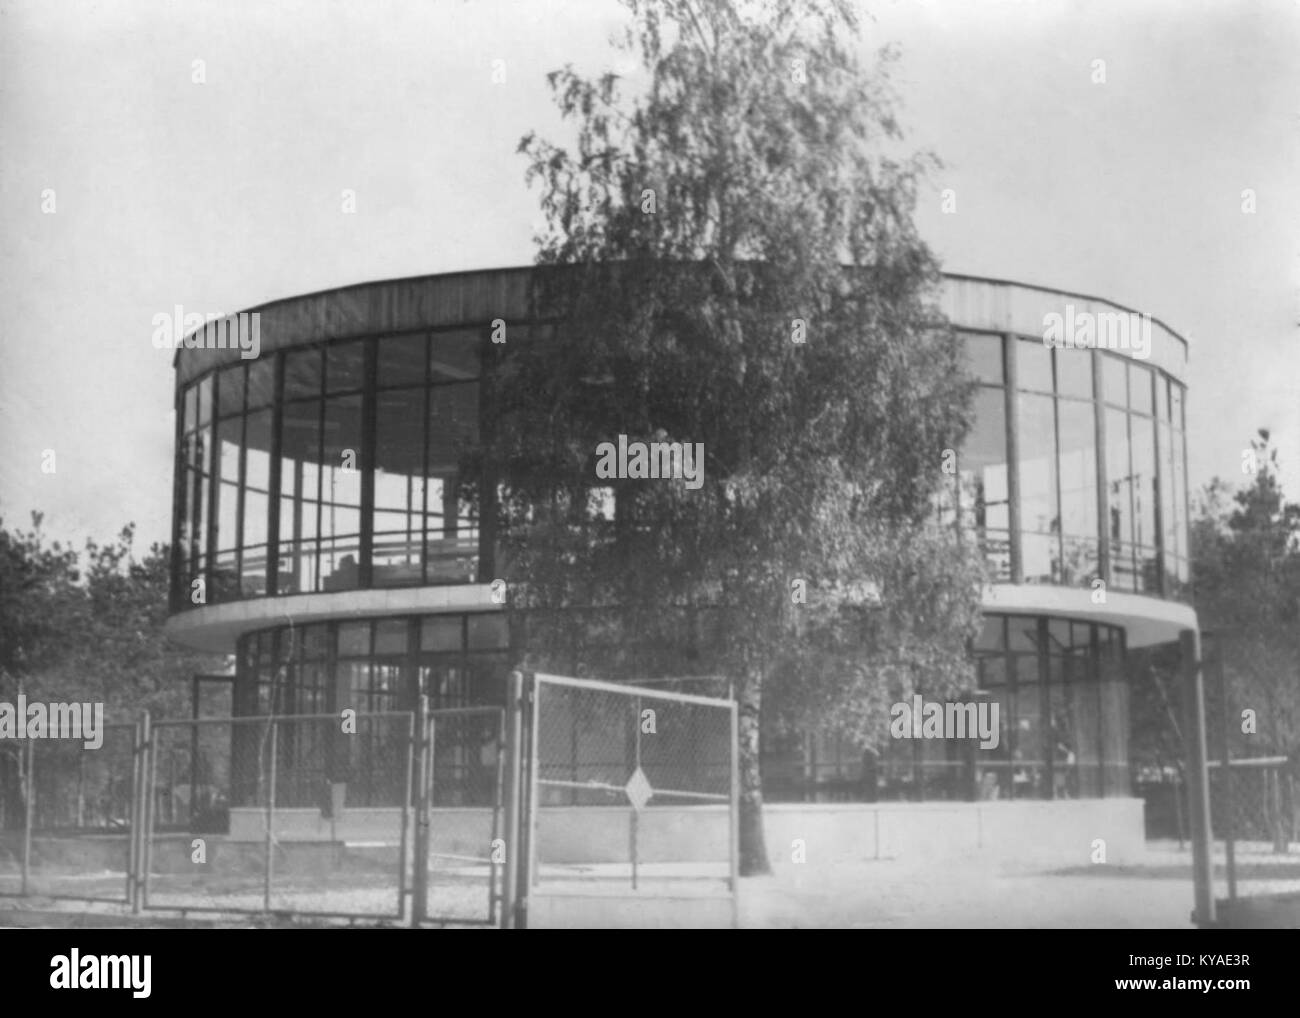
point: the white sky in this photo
(222, 195)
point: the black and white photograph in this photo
(650, 465)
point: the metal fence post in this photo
(412, 760)
(1214, 669)
(512, 751)
(133, 835)
(27, 822)
(148, 775)
(270, 820)
(420, 847)
(733, 807)
(532, 701)
(1198, 778)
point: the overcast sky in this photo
(227, 193)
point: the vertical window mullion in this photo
(243, 481)
(180, 468)
(1103, 489)
(1056, 469)
(273, 479)
(1013, 457)
(1157, 482)
(210, 535)
(1045, 707)
(424, 461)
(370, 375)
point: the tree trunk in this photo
(753, 848)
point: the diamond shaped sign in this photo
(638, 790)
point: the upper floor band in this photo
(338, 459)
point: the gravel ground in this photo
(891, 894)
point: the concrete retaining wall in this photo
(1060, 832)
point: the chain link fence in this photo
(66, 815)
(312, 814)
(1255, 819)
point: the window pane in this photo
(1176, 404)
(985, 506)
(402, 360)
(340, 526)
(1074, 373)
(1029, 771)
(399, 488)
(452, 534)
(1119, 479)
(1180, 520)
(300, 490)
(982, 355)
(354, 639)
(390, 636)
(1114, 380)
(230, 391)
(1139, 388)
(1078, 467)
(1145, 494)
(440, 634)
(1022, 633)
(1162, 397)
(302, 373)
(191, 408)
(261, 381)
(205, 401)
(345, 366)
(1025, 667)
(257, 438)
(488, 632)
(1039, 512)
(1058, 636)
(454, 356)
(1033, 366)
(991, 636)
(1085, 710)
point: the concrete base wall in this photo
(1060, 832)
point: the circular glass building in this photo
(329, 532)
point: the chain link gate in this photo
(1252, 792)
(629, 799)
(460, 853)
(67, 817)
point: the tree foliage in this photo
(88, 626)
(730, 260)
(1246, 575)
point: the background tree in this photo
(731, 261)
(1246, 577)
(1245, 545)
(87, 627)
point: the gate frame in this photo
(147, 831)
(427, 722)
(28, 759)
(523, 715)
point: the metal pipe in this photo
(270, 819)
(27, 825)
(1198, 779)
(420, 847)
(512, 776)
